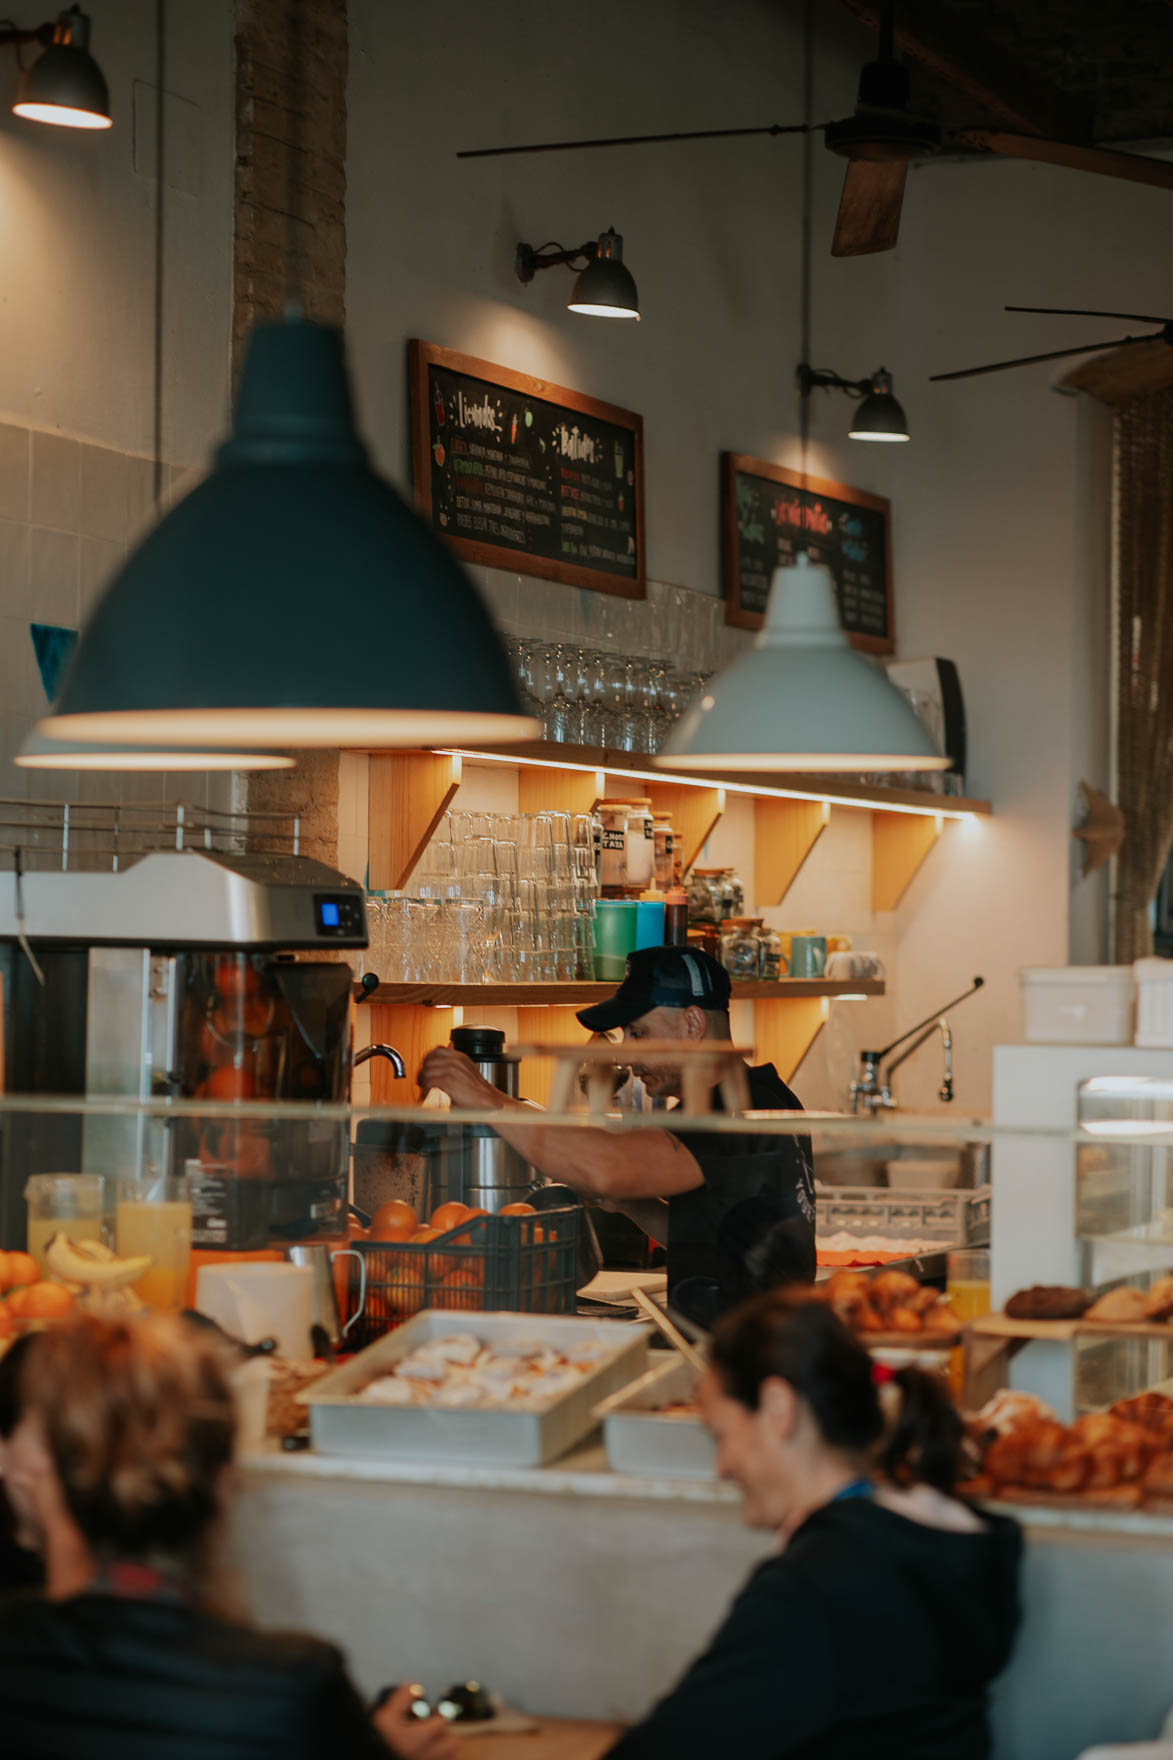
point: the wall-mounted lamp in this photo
(604, 288)
(65, 84)
(879, 416)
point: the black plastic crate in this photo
(518, 1264)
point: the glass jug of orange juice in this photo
(65, 1203)
(154, 1217)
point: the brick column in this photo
(291, 156)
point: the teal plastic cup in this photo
(616, 928)
(649, 924)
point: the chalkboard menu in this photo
(848, 529)
(519, 474)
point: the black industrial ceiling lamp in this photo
(879, 416)
(65, 85)
(604, 288)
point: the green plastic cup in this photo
(616, 924)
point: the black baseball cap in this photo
(661, 977)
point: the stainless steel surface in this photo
(342, 1424)
(387, 1051)
(320, 1259)
(640, 1439)
(130, 1044)
(184, 898)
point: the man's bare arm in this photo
(604, 1164)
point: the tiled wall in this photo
(69, 511)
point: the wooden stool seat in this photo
(705, 1065)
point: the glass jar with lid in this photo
(741, 948)
(704, 896)
(775, 962)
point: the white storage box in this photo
(641, 1437)
(341, 1423)
(1154, 1001)
(1078, 1005)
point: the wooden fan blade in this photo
(1081, 312)
(869, 208)
(631, 140)
(1054, 354)
(1133, 167)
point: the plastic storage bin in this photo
(1154, 1001)
(1078, 1005)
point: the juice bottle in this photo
(967, 1290)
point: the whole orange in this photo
(21, 1270)
(45, 1301)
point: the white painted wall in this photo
(78, 211)
(999, 559)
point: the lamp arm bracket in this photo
(11, 35)
(823, 379)
(528, 259)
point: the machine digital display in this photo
(329, 914)
(339, 915)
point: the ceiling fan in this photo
(1164, 334)
(880, 140)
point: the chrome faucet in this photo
(871, 1091)
(387, 1051)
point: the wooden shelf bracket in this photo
(900, 843)
(784, 834)
(785, 1031)
(409, 794)
(562, 791)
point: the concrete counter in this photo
(582, 1593)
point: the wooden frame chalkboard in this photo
(516, 473)
(850, 530)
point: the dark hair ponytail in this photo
(786, 1334)
(927, 1441)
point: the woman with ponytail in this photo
(890, 1604)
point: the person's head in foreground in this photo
(119, 1467)
(667, 993)
(124, 1442)
(793, 1402)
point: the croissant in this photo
(1005, 1460)
(1095, 1428)
(1070, 1471)
(1158, 1303)
(1106, 1468)
(1158, 1481)
(904, 1320)
(924, 1301)
(865, 1319)
(1124, 1305)
(942, 1318)
(893, 1289)
(1045, 1445)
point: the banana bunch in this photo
(97, 1276)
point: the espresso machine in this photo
(184, 974)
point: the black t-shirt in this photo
(751, 1226)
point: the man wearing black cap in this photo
(738, 1210)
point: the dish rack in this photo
(951, 1218)
(103, 837)
(515, 1264)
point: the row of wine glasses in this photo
(587, 697)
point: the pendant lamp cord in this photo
(160, 204)
(296, 87)
(808, 176)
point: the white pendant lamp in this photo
(39, 752)
(801, 698)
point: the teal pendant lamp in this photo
(801, 698)
(41, 753)
(292, 599)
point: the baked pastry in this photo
(904, 1320)
(892, 1289)
(1119, 1306)
(1006, 1411)
(1158, 1481)
(941, 1319)
(1154, 1411)
(1158, 1303)
(1047, 1301)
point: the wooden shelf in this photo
(576, 994)
(833, 788)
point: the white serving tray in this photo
(639, 1439)
(340, 1423)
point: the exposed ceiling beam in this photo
(977, 71)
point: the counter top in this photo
(584, 1473)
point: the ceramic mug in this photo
(808, 956)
